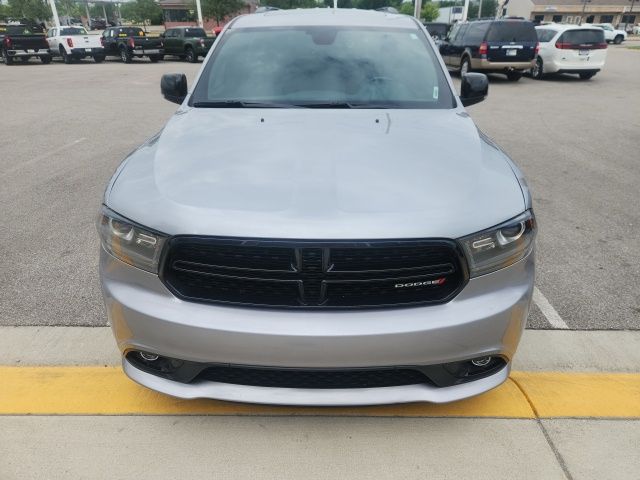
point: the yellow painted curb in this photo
(107, 391)
(560, 394)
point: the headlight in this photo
(129, 242)
(500, 246)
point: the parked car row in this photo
(514, 47)
(73, 43)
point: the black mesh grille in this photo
(290, 378)
(309, 274)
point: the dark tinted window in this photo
(23, 30)
(289, 66)
(194, 32)
(515, 31)
(557, 18)
(461, 33)
(73, 31)
(130, 32)
(545, 35)
(579, 37)
(475, 33)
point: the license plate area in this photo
(584, 52)
(512, 52)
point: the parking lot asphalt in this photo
(67, 127)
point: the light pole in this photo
(417, 9)
(584, 6)
(199, 7)
(54, 10)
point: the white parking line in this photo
(47, 154)
(548, 311)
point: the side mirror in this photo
(474, 88)
(174, 87)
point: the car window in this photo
(73, 31)
(194, 32)
(512, 31)
(453, 32)
(545, 35)
(22, 30)
(475, 33)
(582, 37)
(291, 66)
(461, 37)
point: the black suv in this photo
(494, 46)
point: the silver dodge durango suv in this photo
(319, 223)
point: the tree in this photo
(142, 11)
(407, 8)
(219, 9)
(29, 9)
(430, 11)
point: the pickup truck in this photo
(187, 43)
(612, 34)
(129, 42)
(74, 43)
(23, 42)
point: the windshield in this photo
(194, 32)
(73, 31)
(514, 31)
(343, 67)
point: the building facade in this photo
(616, 12)
(182, 13)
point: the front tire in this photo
(587, 75)
(25, 59)
(125, 56)
(465, 66)
(154, 58)
(98, 58)
(618, 39)
(46, 59)
(514, 75)
(7, 59)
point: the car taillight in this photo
(537, 48)
(132, 42)
(483, 48)
(70, 42)
(8, 42)
(201, 42)
(161, 44)
(563, 46)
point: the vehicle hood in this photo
(317, 174)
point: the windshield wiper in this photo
(346, 105)
(242, 104)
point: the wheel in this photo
(537, 71)
(98, 58)
(618, 39)
(125, 55)
(25, 59)
(587, 75)
(45, 59)
(161, 57)
(66, 58)
(465, 66)
(514, 75)
(154, 58)
(191, 56)
(7, 59)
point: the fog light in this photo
(149, 357)
(481, 362)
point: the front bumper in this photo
(486, 318)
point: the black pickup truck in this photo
(129, 42)
(187, 43)
(23, 42)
